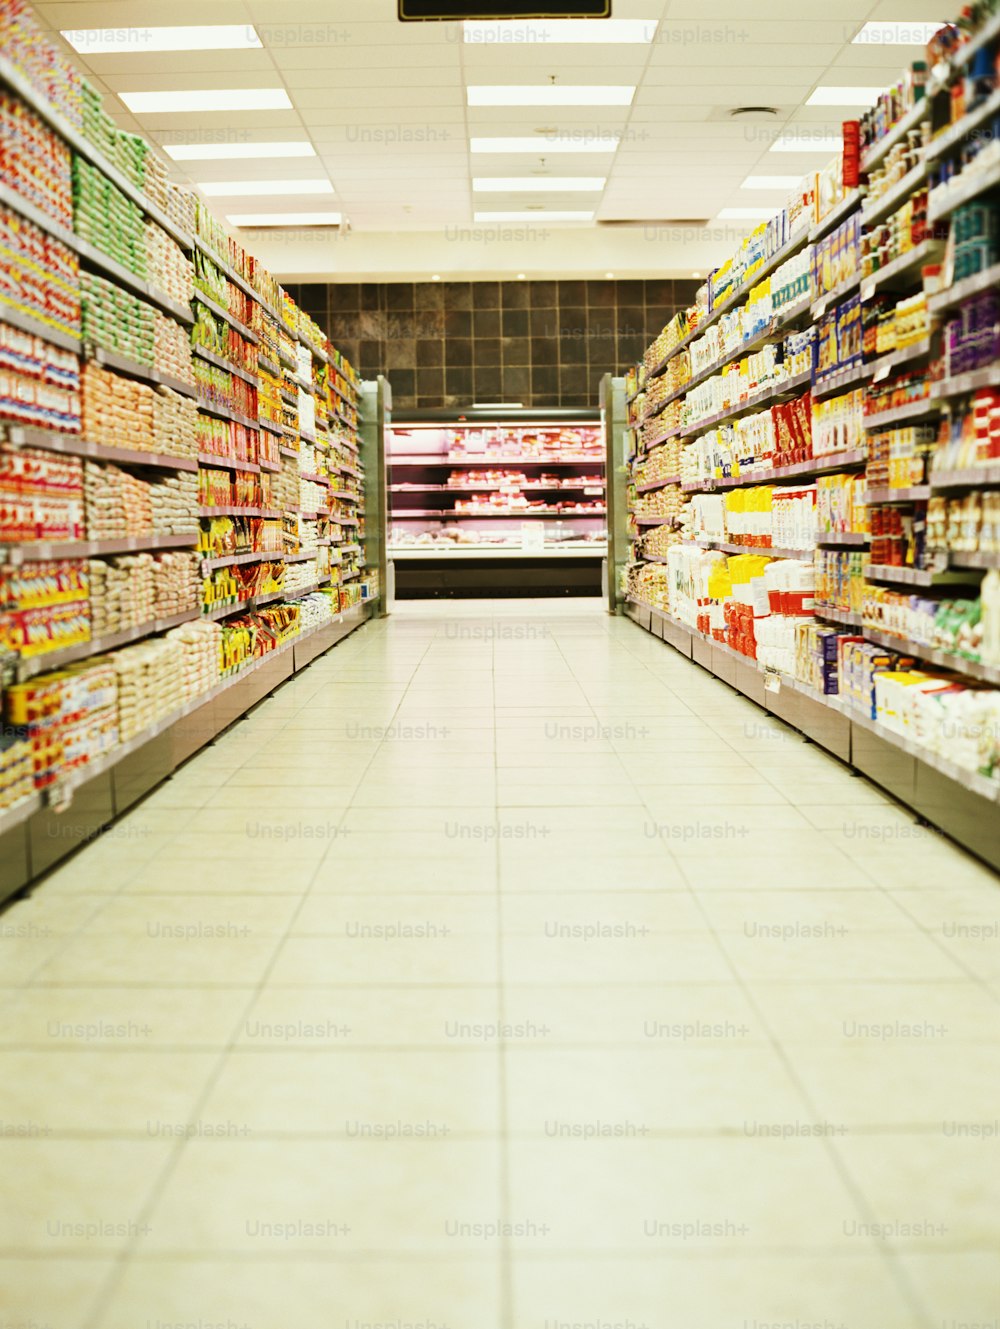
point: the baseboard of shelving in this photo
(965, 815)
(43, 840)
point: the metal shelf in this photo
(221, 312)
(944, 659)
(885, 364)
(987, 280)
(658, 484)
(254, 602)
(913, 494)
(979, 561)
(145, 373)
(731, 547)
(951, 138)
(31, 666)
(843, 540)
(912, 576)
(902, 267)
(20, 812)
(407, 554)
(110, 267)
(450, 514)
(895, 195)
(239, 560)
(73, 445)
(35, 326)
(233, 511)
(966, 478)
(227, 463)
(962, 384)
(838, 380)
(496, 463)
(203, 353)
(960, 190)
(235, 277)
(847, 617)
(915, 410)
(33, 551)
(226, 413)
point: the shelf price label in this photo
(533, 537)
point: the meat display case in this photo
(510, 503)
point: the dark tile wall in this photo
(543, 343)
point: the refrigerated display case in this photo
(510, 504)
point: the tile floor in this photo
(504, 971)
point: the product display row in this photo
(815, 479)
(167, 523)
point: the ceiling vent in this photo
(750, 112)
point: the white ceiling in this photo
(384, 105)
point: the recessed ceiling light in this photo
(218, 152)
(566, 184)
(521, 276)
(545, 141)
(284, 218)
(803, 141)
(539, 32)
(609, 275)
(248, 188)
(135, 41)
(550, 94)
(695, 274)
(896, 34)
(435, 276)
(837, 96)
(539, 215)
(745, 214)
(207, 99)
(771, 182)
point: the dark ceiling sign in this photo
(418, 11)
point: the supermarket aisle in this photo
(504, 970)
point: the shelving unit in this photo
(664, 567)
(210, 540)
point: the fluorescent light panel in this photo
(248, 188)
(540, 32)
(244, 219)
(137, 41)
(539, 184)
(805, 142)
(896, 34)
(207, 99)
(543, 145)
(771, 182)
(550, 94)
(541, 215)
(837, 96)
(220, 152)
